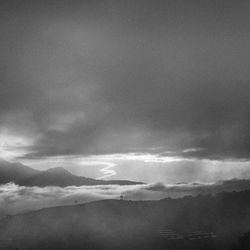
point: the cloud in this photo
(18, 199)
(89, 78)
(14, 198)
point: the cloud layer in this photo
(17, 199)
(86, 77)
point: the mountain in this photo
(26, 176)
(61, 177)
(14, 172)
(203, 222)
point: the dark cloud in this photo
(90, 78)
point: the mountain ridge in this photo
(14, 172)
(58, 176)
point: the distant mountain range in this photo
(26, 176)
(15, 172)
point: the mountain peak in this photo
(14, 172)
(58, 170)
(57, 176)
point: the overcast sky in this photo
(165, 82)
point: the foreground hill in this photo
(26, 176)
(203, 222)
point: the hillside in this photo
(114, 224)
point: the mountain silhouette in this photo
(14, 172)
(26, 176)
(61, 177)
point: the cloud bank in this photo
(17, 199)
(90, 77)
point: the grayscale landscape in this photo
(124, 125)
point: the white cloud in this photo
(188, 150)
(12, 146)
(16, 199)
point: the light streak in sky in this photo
(107, 171)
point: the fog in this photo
(17, 199)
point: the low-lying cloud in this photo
(17, 199)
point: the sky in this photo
(142, 90)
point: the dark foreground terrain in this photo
(202, 222)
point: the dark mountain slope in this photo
(26, 176)
(114, 224)
(14, 172)
(61, 177)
